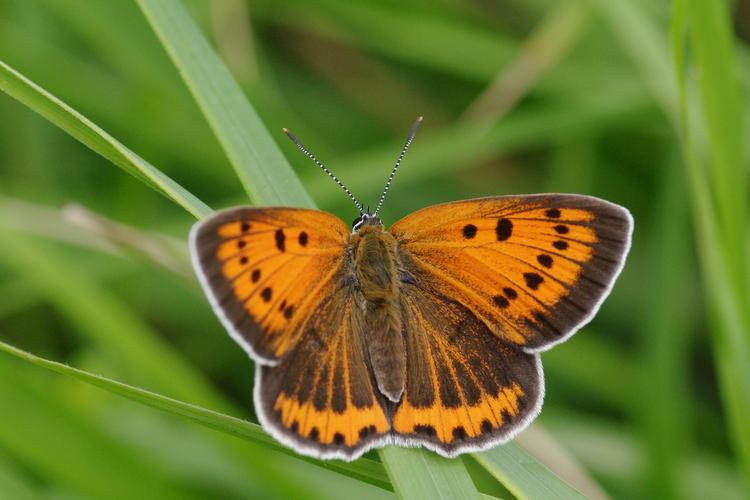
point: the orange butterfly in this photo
(428, 334)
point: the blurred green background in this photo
(519, 96)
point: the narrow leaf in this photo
(81, 128)
(364, 469)
(523, 475)
(261, 167)
(423, 474)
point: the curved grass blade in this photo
(261, 167)
(523, 475)
(422, 474)
(721, 241)
(364, 469)
(81, 128)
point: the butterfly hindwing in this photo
(263, 270)
(465, 389)
(322, 399)
(532, 268)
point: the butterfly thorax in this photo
(375, 272)
(375, 264)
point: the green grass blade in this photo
(643, 42)
(101, 319)
(257, 160)
(723, 254)
(713, 47)
(666, 336)
(81, 128)
(523, 475)
(423, 474)
(364, 469)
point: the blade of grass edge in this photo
(261, 167)
(730, 324)
(423, 474)
(523, 475)
(363, 469)
(84, 130)
(269, 179)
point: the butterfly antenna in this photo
(325, 169)
(398, 162)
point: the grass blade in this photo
(364, 469)
(257, 160)
(81, 128)
(523, 475)
(423, 474)
(720, 235)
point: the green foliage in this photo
(591, 104)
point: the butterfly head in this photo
(365, 217)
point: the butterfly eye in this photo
(357, 222)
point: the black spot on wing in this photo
(426, 430)
(560, 245)
(552, 213)
(288, 311)
(487, 426)
(470, 230)
(544, 260)
(266, 294)
(302, 239)
(280, 240)
(504, 229)
(338, 439)
(367, 431)
(533, 280)
(500, 301)
(459, 433)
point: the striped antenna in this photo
(398, 162)
(325, 169)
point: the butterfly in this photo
(426, 334)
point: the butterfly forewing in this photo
(263, 270)
(532, 268)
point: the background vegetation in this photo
(639, 102)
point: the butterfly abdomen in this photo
(375, 270)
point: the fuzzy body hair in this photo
(375, 267)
